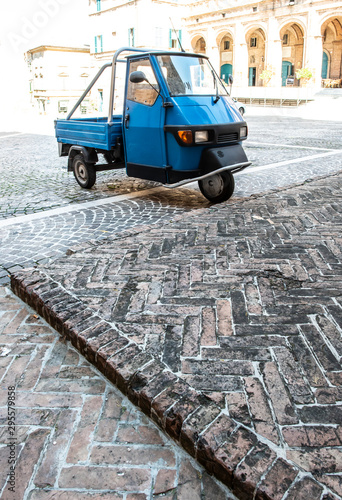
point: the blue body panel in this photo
(192, 111)
(201, 110)
(89, 132)
(182, 158)
(144, 142)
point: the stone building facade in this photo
(266, 42)
(57, 77)
(135, 23)
(260, 42)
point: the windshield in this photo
(190, 75)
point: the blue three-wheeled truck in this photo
(178, 125)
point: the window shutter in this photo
(180, 38)
(101, 41)
(96, 45)
(131, 37)
(170, 38)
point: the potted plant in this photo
(304, 75)
(266, 76)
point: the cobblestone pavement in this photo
(77, 436)
(36, 240)
(44, 213)
(64, 214)
(35, 179)
(225, 328)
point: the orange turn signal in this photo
(185, 136)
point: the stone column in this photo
(313, 59)
(274, 52)
(314, 50)
(240, 57)
(274, 61)
(213, 51)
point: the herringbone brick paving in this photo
(77, 437)
(242, 305)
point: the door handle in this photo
(126, 120)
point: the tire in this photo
(241, 111)
(85, 173)
(218, 187)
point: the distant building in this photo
(134, 23)
(260, 42)
(57, 77)
(254, 40)
(131, 23)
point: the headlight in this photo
(201, 136)
(243, 132)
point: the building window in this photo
(255, 9)
(226, 45)
(98, 44)
(98, 5)
(131, 37)
(285, 39)
(175, 39)
(159, 38)
(63, 106)
(253, 42)
(64, 80)
(100, 100)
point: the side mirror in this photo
(230, 79)
(137, 77)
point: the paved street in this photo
(234, 326)
(61, 214)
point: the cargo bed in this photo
(90, 132)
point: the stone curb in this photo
(232, 453)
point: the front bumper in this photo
(232, 168)
(213, 160)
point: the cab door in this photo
(144, 125)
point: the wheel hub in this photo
(213, 185)
(81, 171)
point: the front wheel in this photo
(217, 187)
(84, 173)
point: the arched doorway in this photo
(332, 49)
(255, 39)
(226, 70)
(286, 72)
(199, 45)
(325, 66)
(226, 57)
(292, 37)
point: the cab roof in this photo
(155, 52)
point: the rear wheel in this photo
(217, 187)
(85, 173)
